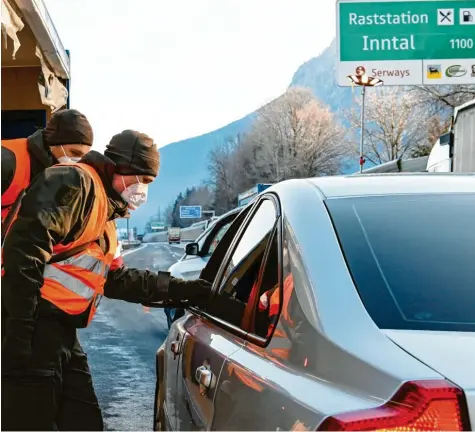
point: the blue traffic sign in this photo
(190, 212)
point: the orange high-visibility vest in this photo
(280, 344)
(21, 178)
(76, 285)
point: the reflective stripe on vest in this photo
(21, 177)
(73, 283)
(76, 284)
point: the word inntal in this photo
(387, 44)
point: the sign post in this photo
(190, 212)
(363, 80)
(407, 42)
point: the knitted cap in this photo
(68, 126)
(134, 153)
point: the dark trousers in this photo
(55, 392)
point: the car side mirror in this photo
(192, 249)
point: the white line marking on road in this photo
(134, 250)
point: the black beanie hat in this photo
(134, 153)
(68, 126)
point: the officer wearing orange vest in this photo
(67, 137)
(60, 258)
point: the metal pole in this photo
(128, 232)
(363, 91)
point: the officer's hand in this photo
(196, 292)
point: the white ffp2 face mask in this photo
(135, 194)
(67, 159)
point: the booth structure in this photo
(35, 68)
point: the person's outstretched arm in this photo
(146, 287)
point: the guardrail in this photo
(130, 244)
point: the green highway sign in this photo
(407, 42)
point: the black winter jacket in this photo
(53, 211)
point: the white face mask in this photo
(67, 159)
(135, 194)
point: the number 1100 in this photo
(461, 43)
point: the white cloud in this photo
(175, 69)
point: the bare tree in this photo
(441, 100)
(395, 124)
(435, 127)
(295, 136)
(224, 174)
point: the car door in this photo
(213, 334)
(268, 383)
(176, 337)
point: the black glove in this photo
(196, 292)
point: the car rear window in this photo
(412, 258)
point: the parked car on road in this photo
(197, 255)
(342, 303)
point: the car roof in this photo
(389, 184)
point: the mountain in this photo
(185, 163)
(319, 75)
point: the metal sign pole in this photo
(362, 161)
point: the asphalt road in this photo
(121, 343)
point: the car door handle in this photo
(205, 377)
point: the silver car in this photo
(344, 303)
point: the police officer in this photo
(60, 258)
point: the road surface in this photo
(121, 343)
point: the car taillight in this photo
(435, 405)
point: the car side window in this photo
(242, 269)
(266, 297)
(217, 238)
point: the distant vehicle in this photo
(455, 150)
(197, 255)
(338, 303)
(174, 235)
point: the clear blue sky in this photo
(179, 68)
